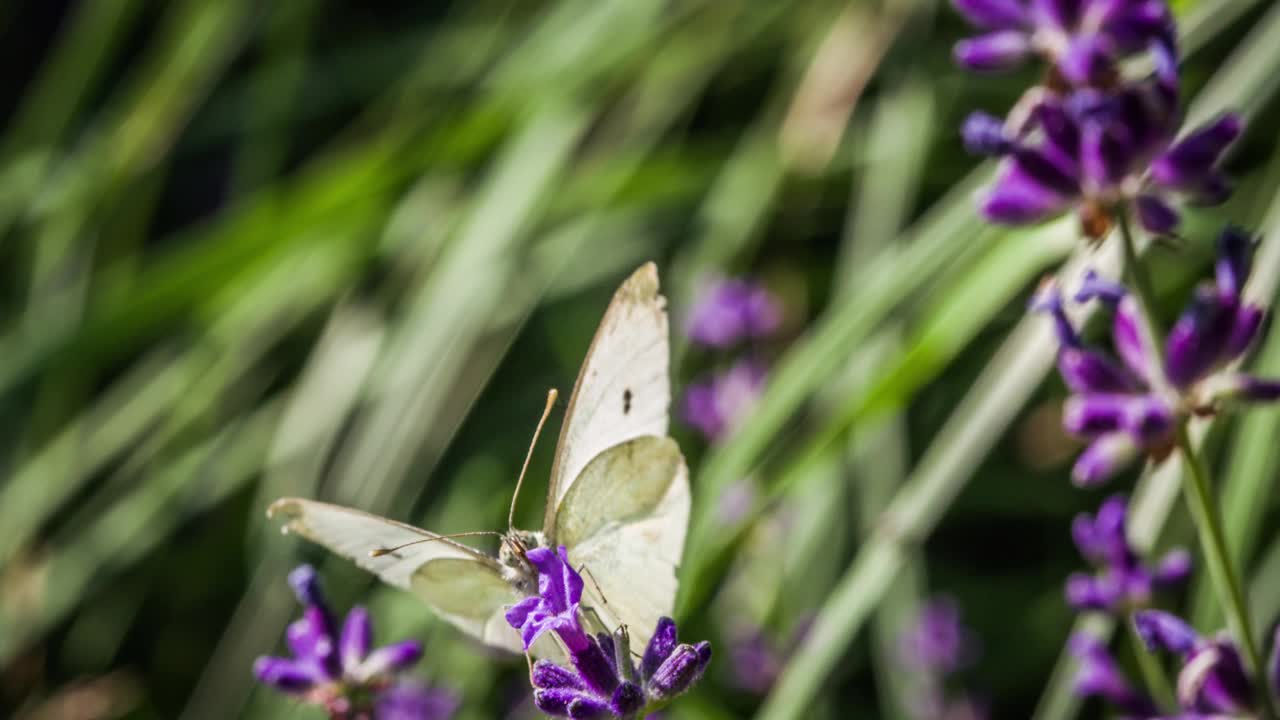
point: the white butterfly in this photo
(618, 498)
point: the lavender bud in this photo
(984, 134)
(661, 645)
(595, 668)
(548, 676)
(1163, 631)
(306, 586)
(678, 673)
(627, 699)
(1174, 569)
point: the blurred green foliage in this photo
(341, 250)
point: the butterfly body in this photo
(516, 568)
(618, 498)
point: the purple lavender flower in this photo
(1100, 675)
(604, 680)
(1213, 678)
(1132, 407)
(755, 662)
(1122, 580)
(935, 646)
(1098, 153)
(1082, 40)
(555, 607)
(938, 642)
(731, 310)
(717, 404)
(340, 672)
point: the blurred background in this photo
(342, 250)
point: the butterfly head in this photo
(513, 555)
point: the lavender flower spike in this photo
(1099, 152)
(1100, 675)
(344, 675)
(603, 681)
(1082, 39)
(1122, 581)
(1129, 409)
(1112, 405)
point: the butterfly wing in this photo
(463, 585)
(624, 521)
(622, 391)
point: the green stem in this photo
(1198, 490)
(1226, 581)
(1152, 674)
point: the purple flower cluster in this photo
(938, 642)
(1082, 40)
(1122, 581)
(340, 672)
(1212, 683)
(603, 680)
(938, 645)
(715, 404)
(1133, 406)
(1088, 140)
(726, 314)
(1097, 152)
(732, 310)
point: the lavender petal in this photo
(287, 675)
(1197, 340)
(992, 14)
(1185, 165)
(999, 50)
(357, 637)
(1235, 258)
(390, 659)
(1156, 215)
(1103, 458)
(1085, 371)
(1127, 336)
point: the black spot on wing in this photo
(626, 401)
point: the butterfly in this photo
(618, 498)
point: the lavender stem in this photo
(1199, 494)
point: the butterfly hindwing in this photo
(624, 521)
(464, 586)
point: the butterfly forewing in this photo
(622, 391)
(624, 521)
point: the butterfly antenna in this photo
(546, 412)
(379, 552)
